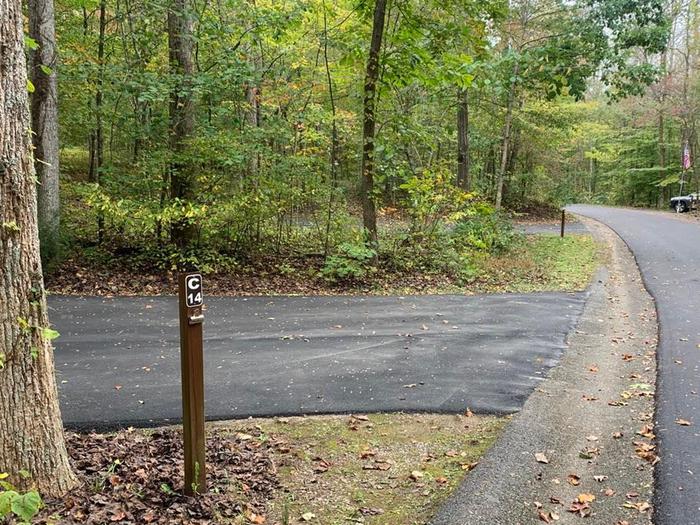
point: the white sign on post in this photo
(194, 295)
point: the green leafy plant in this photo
(23, 506)
(352, 262)
(486, 230)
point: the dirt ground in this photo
(377, 469)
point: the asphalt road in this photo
(667, 249)
(118, 359)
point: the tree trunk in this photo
(369, 212)
(31, 431)
(44, 102)
(97, 136)
(182, 114)
(463, 161)
(662, 157)
(507, 134)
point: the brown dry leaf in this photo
(582, 509)
(617, 435)
(574, 480)
(647, 431)
(585, 498)
(593, 369)
(683, 422)
(544, 516)
(416, 475)
(609, 492)
(256, 518)
(641, 506)
(468, 413)
(540, 457)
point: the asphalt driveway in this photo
(117, 360)
(668, 253)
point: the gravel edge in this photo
(611, 352)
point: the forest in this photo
(346, 135)
(319, 147)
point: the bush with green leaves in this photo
(485, 230)
(17, 505)
(352, 262)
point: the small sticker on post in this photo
(194, 296)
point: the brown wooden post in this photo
(192, 363)
(563, 222)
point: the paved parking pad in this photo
(118, 359)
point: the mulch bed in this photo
(136, 477)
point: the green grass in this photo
(442, 449)
(541, 263)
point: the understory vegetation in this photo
(360, 137)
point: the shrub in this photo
(351, 263)
(486, 230)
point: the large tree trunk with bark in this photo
(31, 432)
(45, 123)
(369, 212)
(182, 114)
(463, 161)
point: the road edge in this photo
(510, 487)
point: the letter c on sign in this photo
(193, 282)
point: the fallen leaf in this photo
(308, 516)
(541, 458)
(683, 422)
(416, 475)
(574, 480)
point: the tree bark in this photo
(44, 103)
(369, 212)
(96, 139)
(182, 115)
(463, 161)
(507, 135)
(31, 431)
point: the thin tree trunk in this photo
(98, 135)
(369, 212)
(662, 155)
(31, 431)
(507, 135)
(334, 135)
(463, 161)
(182, 114)
(44, 102)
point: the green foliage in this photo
(23, 506)
(352, 262)
(486, 230)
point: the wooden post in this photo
(192, 363)
(563, 222)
